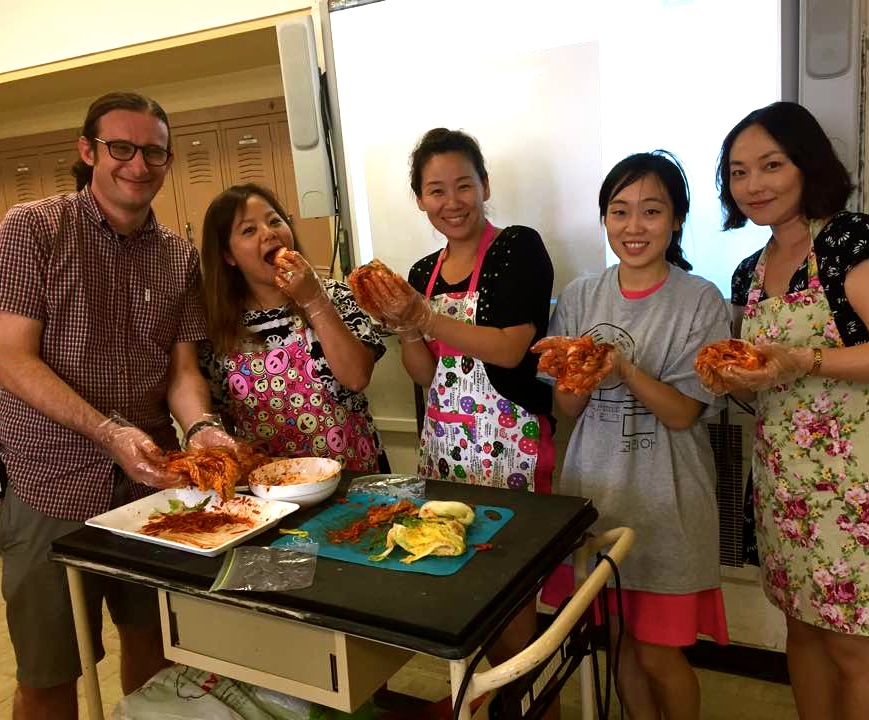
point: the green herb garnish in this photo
(179, 507)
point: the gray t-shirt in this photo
(636, 471)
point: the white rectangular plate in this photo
(128, 520)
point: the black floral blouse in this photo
(841, 245)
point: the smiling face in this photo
(639, 224)
(765, 184)
(124, 189)
(453, 196)
(257, 233)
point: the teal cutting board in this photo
(488, 520)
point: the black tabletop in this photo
(445, 616)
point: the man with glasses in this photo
(100, 313)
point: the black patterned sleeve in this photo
(421, 271)
(846, 238)
(740, 283)
(213, 368)
(840, 247)
(517, 279)
(358, 321)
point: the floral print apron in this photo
(810, 459)
(278, 401)
(471, 433)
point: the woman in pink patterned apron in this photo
(804, 300)
(290, 354)
(466, 321)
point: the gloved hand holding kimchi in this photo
(136, 452)
(578, 364)
(736, 365)
(389, 298)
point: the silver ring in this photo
(290, 274)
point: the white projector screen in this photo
(556, 93)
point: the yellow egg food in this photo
(425, 537)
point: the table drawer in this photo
(313, 663)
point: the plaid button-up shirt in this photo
(112, 308)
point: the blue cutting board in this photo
(488, 520)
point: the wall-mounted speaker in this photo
(828, 37)
(301, 80)
(829, 78)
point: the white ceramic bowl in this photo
(305, 481)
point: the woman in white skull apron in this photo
(804, 301)
(289, 375)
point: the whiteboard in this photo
(403, 66)
(542, 151)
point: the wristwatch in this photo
(198, 425)
(816, 364)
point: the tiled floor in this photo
(725, 697)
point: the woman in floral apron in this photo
(290, 355)
(804, 300)
(466, 321)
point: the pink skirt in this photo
(545, 458)
(654, 618)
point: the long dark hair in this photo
(826, 183)
(441, 140)
(105, 104)
(664, 166)
(225, 286)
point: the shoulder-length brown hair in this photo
(225, 286)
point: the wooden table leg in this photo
(90, 678)
(457, 674)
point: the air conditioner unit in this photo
(731, 440)
(751, 618)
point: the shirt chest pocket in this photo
(155, 312)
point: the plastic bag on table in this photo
(411, 487)
(179, 692)
(268, 569)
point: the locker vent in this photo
(250, 163)
(199, 165)
(26, 185)
(64, 182)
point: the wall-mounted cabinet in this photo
(213, 149)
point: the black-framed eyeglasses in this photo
(124, 150)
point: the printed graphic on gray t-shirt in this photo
(637, 472)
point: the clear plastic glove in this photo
(715, 383)
(300, 282)
(783, 364)
(402, 308)
(136, 453)
(211, 436)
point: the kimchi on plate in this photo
(192, 520)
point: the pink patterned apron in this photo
(279, 403)
(471, 432)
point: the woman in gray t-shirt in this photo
(639, 449)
